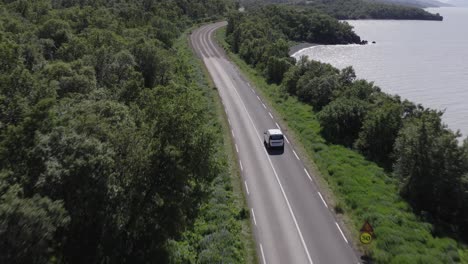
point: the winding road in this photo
(291, 221)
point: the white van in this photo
(273, 138)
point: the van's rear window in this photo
(276, 137)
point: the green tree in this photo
(29, 226)
(57, 30)
(342, 119)
(429, 164)
(317, 91)
(362, 90)
(379, 132)
(9, 55)
(276, 68)
(347, 75)
(154, 63)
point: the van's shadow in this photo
(273, 151)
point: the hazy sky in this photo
(456, 2)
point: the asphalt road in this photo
(291, 221)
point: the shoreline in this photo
(298, 47)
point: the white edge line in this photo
(270, 115)
(237, 150)
(286, 139)
(341, 232)
(253, 216)
(258, 97)
(240, 163)
(232, 132)
(277, 125)
(297, 157)
(276, 175)
(308, 175)
(326, 205)
(264, 106)
(246, 187)
(263, 254)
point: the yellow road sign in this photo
(365, 237)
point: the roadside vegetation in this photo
(388, 160)
(111, 147)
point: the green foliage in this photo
(359, 9)
(109, 148)
(430, 165)
(153, 63)
(355, 9)
(28, 226)
(342, 119)
(379, 132)
(260, 36)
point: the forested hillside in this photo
(418, 196)
(109, 146)
(360, 9)
(355, 9)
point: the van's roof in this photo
(275, 131)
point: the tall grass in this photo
(362, 190)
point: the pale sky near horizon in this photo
(463, 3)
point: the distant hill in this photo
(357, 9)
(415, 3)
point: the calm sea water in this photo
(423, 61)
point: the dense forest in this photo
(355, 9)
(409, 141)
(109, 147)
(360, 9)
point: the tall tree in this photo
(430, 164)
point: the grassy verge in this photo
(361, 190)
(222, 230)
